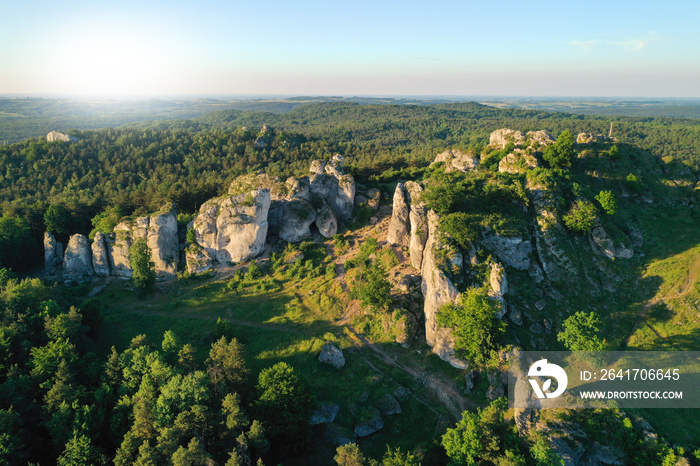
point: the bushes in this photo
(581, 217)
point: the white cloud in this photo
(583, 44)
(636, 44)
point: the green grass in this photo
(289, 325)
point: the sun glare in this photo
(110, 61)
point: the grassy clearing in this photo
(289, 323)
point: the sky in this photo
(338, 47)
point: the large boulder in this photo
(53, 254)
(233, 228)
(332, 355)
(77, 262)
(298, 188)
(326, 222)
(198, 259)
(100, 256)
(322, 185)
(372, 422)
(325, 413)
(57, 136)
(455, 160)
(439, 290)
(418, 220)
(601, 242)
(399, 225)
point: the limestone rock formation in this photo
(513, 251)
(399, 225)
(56, 136)
(318, 167)
(499, 287)
(297, 215)
(418, 220)
(456, 160)
(161, 234)
(298, 188)
(77, 262)
(439, 290)
(332, 355)
(541, 137)
(100, 256)
(518, 161)
(326, 222)
(53, 254)
(198, 259)
(502, 137)
(233, 228)
(162, 238)
(600, 241)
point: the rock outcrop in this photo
(161, 234)
(233, 228)
(418, 220)
(326, 222)
(372, 423)
(56, 136)
(77, 262)
(439, 290)
(296, 217)
(601, 242)
(513, 251)
(399, 225)
(499, 286)
(502, 137)
(519, 161)
(541, 138)
(100, 256)
(325, 413)
(455, 160)
(53, 254)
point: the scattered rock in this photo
(515, 315)
(338, 435)
(332, 355)
(324, 414)
(402, 393)
(469, 382)
(389, 405)
(372, 423)
(541, 304)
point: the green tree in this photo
(349, 455)
(561, 154)
(581, 332)
(544, 455)
(474, 325)
(581, 217)
(463, 443)
(397, 457)
(56, 219)
(614, 152)
(285, 403)
(79, 451)
(372, 287)
(226, 364)
(143, 274)
(607, 202)
(15, 240)
(105, 222)
(194, 455)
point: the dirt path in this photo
(445, 391)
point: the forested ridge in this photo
(140, 167)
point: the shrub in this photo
(581, 332)
(143, 269)
(607, 202)
(581, 217)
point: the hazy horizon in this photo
(214, 48)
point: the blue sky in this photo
(593, 48)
